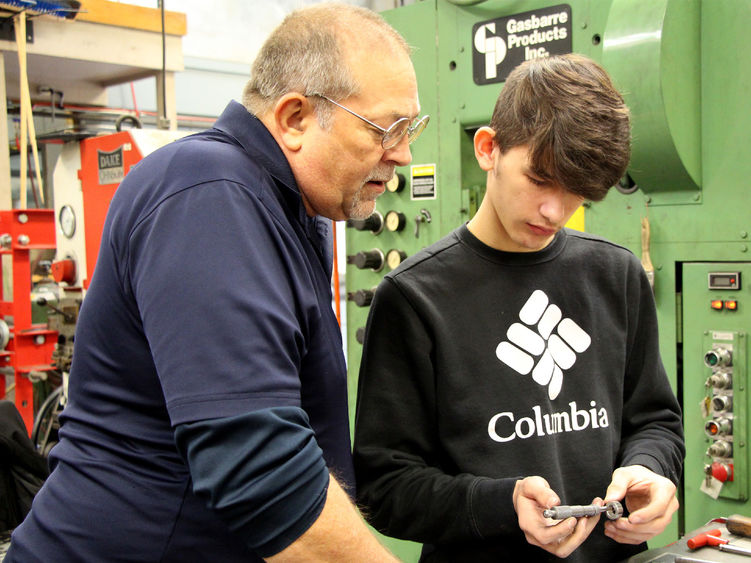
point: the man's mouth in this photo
(378, 179)
(380, 185)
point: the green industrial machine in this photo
(684, 69)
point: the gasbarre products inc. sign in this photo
(500, 44)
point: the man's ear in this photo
(484, 146)
(292, 115)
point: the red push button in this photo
(722, 471)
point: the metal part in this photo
(718, 427)
(422, 217)
(373, 223)
(373, 259)
(613, 510)
(42, 302)
(718, 356)
(4, 334)
(734, 549)
(361, 297)
(720, 380)
(720, 448)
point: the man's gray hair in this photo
(308, 53)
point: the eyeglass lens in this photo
(403, 127)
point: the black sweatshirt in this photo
(482, 367)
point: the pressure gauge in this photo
(396, 184)
(394, 257)
(67, 218)
(395, 221)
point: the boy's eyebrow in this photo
(530, 169)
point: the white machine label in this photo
(501, 44)
(110, 166)
(423, 181)
(723, 336)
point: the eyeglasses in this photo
(393, 135)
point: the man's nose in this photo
(400, 155)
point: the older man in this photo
(207, 418)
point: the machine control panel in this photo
(724, 413)
(715, 389)
(724, 406)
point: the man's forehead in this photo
(390, 99)
(410, 113)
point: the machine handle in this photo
(706, 538)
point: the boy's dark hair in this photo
(575, 123)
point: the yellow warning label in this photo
(424, 170)
(423, 181)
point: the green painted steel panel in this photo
(651, 49)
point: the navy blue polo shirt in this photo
(209, 312)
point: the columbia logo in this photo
(544, 354)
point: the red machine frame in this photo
(30, 347)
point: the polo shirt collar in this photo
(256, 140)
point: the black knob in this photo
(372, 223)
(373, 259)
(361, 297)
(360, 334)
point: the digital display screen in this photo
(724, 280)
